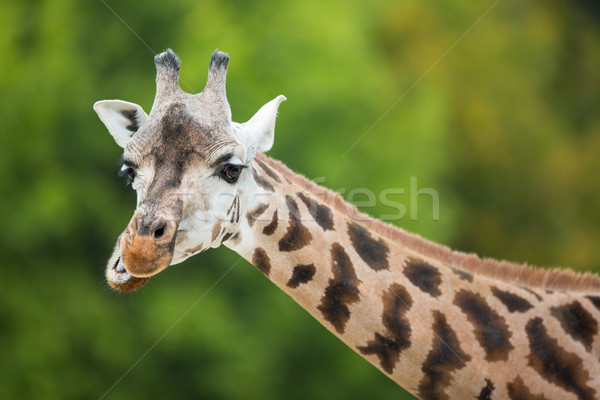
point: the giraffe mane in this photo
(520, 274)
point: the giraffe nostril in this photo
(160, 231)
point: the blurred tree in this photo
(505, 127)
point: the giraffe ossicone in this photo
(443, 324)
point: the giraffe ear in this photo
(259, 131)
(122, 119)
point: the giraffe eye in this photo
(126, 170)
(231, 172)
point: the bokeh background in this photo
(505, 127)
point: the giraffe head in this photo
(189, 164)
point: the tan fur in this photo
(143, 257)
(521, 274)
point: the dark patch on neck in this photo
(595, 301)
(424, 276)
(341, 291)
(301, 274)
(490, 328)
(270, 229)
(131, 115)
(226, 237)
(253, 215)
(513, 302)
(517, 390)
(486, 391)
(464, 275)
(445, 357)
(387, 346)
(268, 170)
(297, 235)
(373, 252)
(262, 182)
(577, 322)
(321, 214)
(555, 364)
(261, 260)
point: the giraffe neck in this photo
(436, 329)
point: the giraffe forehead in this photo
(180, 132)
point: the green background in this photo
(505, 127)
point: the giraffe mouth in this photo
(118, 272)
(118, 277)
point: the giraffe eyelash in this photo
(127, 170)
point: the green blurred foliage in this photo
(505, 127)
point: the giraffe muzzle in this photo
(147, 246)
(118, 277)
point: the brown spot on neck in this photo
(321, 214)
(253, 215)
(272, 174)
(517, 390)
(297, 235)
(261, 260)
(486, 391)
(341, 291)
(301, 274)
(577, 322)
(490, 328)
(512, 301)
(272, 226)
(555, 364)
(424, 276)
(388, 346)
(262, 182)
(445, 357)
(372, 251)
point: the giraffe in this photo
(440, 323)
